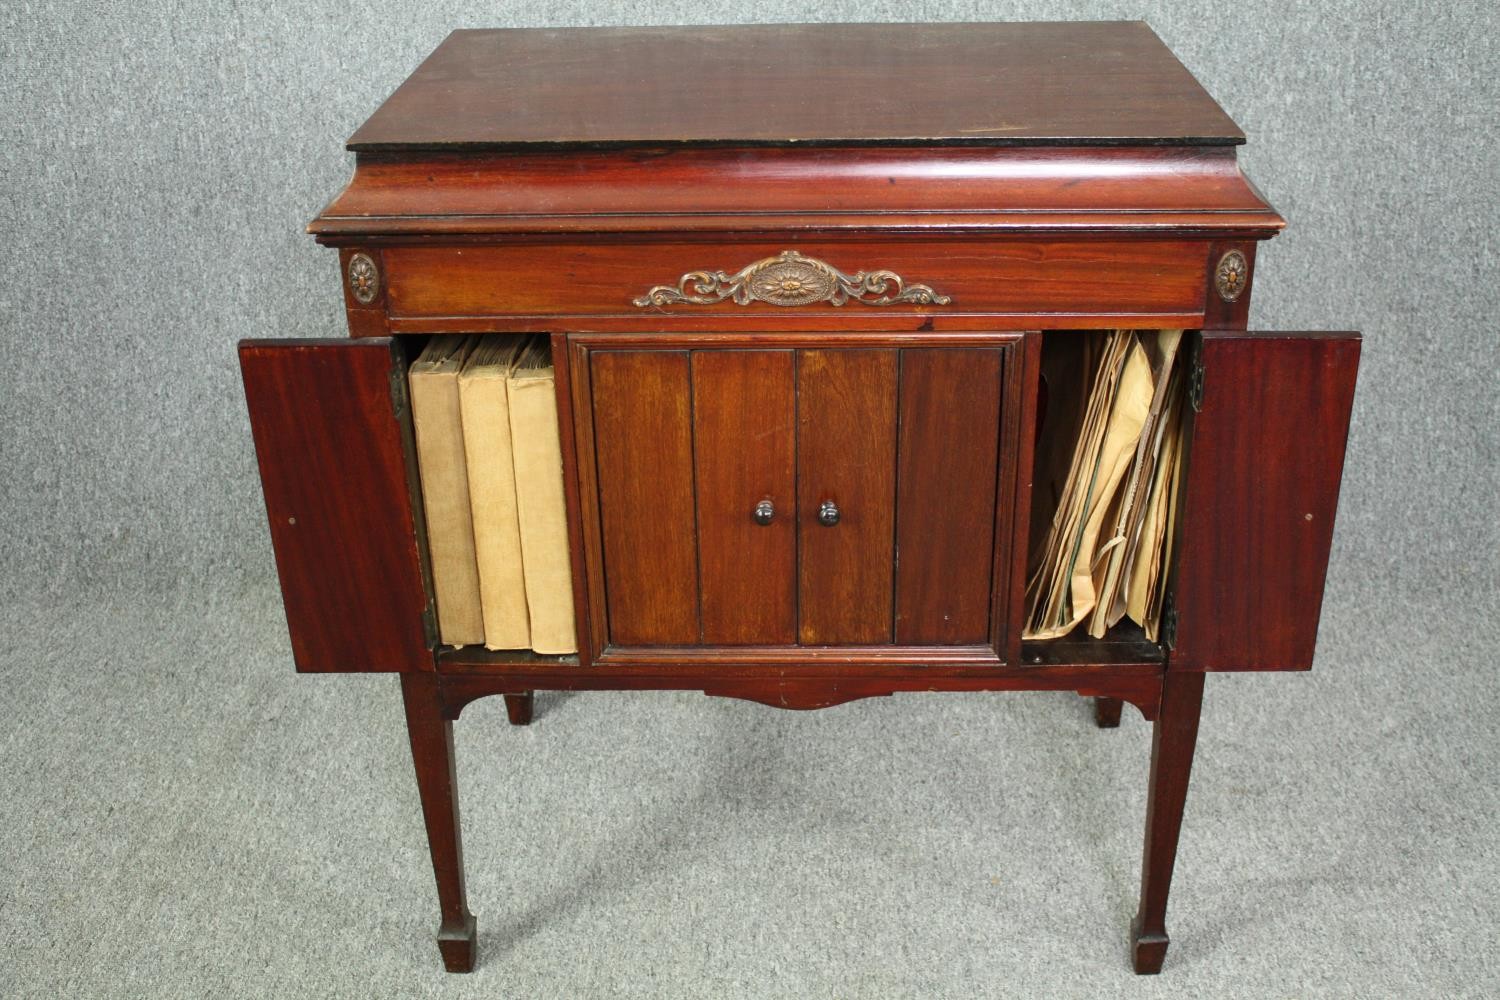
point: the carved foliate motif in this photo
(791, 279)
(1230, 276)
(364, 279)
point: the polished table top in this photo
(1066, 83)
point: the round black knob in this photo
(828, 514)
(764, 512)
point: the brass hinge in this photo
(429, 625)
(1195, 384)
(398, 390)
(1169, 624)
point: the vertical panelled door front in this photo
(785, 497)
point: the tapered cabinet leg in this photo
(518, 707)
(437, 783)
(1173, 738)
(1107, 712)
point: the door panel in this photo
(334, 467)
(689, 433)
(1265, 460)
(846, 454)
(945, 495)
(744, 447)
(644, 450)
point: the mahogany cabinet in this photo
(796, 280)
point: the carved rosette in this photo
(364, 279)
(791, 279)
(1230, 276)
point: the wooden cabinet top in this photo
(1036, 84)
(1072, 127)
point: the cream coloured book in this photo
(537, 452)
(485, 406)
(441, 463)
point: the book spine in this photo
(445, 498)
(492, 495)
(543, 516)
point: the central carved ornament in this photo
(791, 279)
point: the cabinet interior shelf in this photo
(478, 657)
(1124, 645)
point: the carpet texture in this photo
(184, 817)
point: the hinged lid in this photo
(1067, 83)
(1065, 127)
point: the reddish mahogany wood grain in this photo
(334, 468)
(1107, 712)
(1070, 83)
(1013, 495)
(813, 338)
(431, 735)
(949, 421)
(1173, 740)
(809, 682)
(846, 453)
(1219, 314)
(698, 190)
(1016, 275)
(911, 325)
(1266, 457)
(366, 319)
(519, 708)
(775, 657)
(576, 437)
(744, 451)
(643, 444)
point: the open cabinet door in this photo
(331, 442)
(1267, 454)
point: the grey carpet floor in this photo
(181, 816)
(185, 817)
